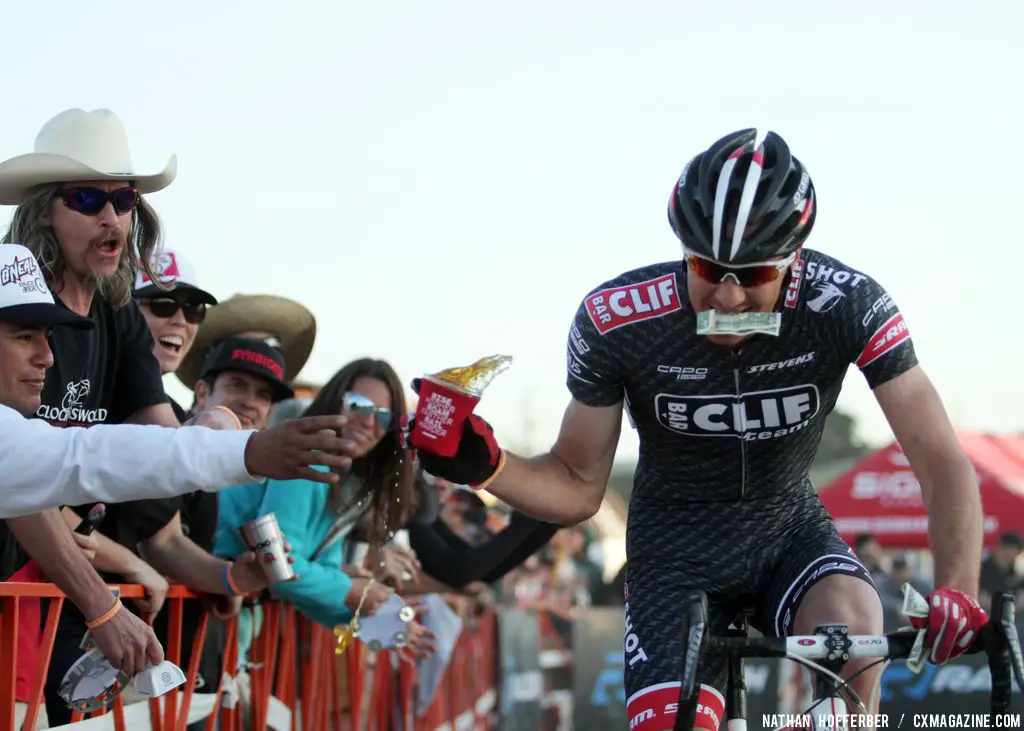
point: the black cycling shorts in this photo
(771, 576)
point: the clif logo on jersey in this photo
(618, 306)
(796, 274)
(890, 335)
(751, 416)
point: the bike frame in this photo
(832, 647)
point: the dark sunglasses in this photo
(165, 307)
(748, 275)
(90, 201)
(362, 405)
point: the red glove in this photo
(953, 623)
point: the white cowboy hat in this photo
(293, 325)
(78, 145)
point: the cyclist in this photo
(727, 363)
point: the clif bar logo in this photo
(796, 274)
(612, 308)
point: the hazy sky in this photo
(441, 181)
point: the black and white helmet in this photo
(745, 199)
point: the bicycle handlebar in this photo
(997, 639)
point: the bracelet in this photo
(229, 581)
(105, 617)
(218, 407)
(501, 465)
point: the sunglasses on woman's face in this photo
(166, 307)
(362, 405)
(90, 201)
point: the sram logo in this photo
(890, 335)
(752, 416)
(618, 306)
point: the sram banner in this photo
(612, 308)
(756, 415)
(898, 488)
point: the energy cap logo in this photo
(751, 416)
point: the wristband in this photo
(234, 416)
(105, 617)
(494, 475)
(229, 582)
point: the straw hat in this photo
(288, 321)
(78, 145)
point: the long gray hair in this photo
(29, 228)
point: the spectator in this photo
(24, 358)
(318, 518)
(282, 322)
(149, 540)
(870, 553)
(80, 211)
(174, 311)
(999, 571)
(890, 589)
(459, 549)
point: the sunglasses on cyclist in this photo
(165, 307)
(747, 275)
(90, 201)
(362, 405)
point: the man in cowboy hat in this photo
(281, 321)
(81, 211)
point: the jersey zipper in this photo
(741, 428)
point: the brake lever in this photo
(1006, 617)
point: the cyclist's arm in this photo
(567, 484)
(949, 486)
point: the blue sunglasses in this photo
(362, 405)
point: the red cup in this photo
(440, 414)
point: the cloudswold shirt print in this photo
(104, 375)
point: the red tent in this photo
(880, 495)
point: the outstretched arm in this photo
(567, 484)
(45, 466)
(949, 486)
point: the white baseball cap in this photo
(25, 299)
(173, 269)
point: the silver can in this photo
(263, 537)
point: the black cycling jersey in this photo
(723, 425)
(721, 497)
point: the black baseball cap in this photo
(249, 355)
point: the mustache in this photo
(112, 234)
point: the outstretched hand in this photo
(288, 450)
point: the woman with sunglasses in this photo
(377, 493)
(175, 314)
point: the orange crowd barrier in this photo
(293, 674)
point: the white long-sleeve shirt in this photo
(43, 466)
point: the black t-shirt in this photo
(103, 375)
